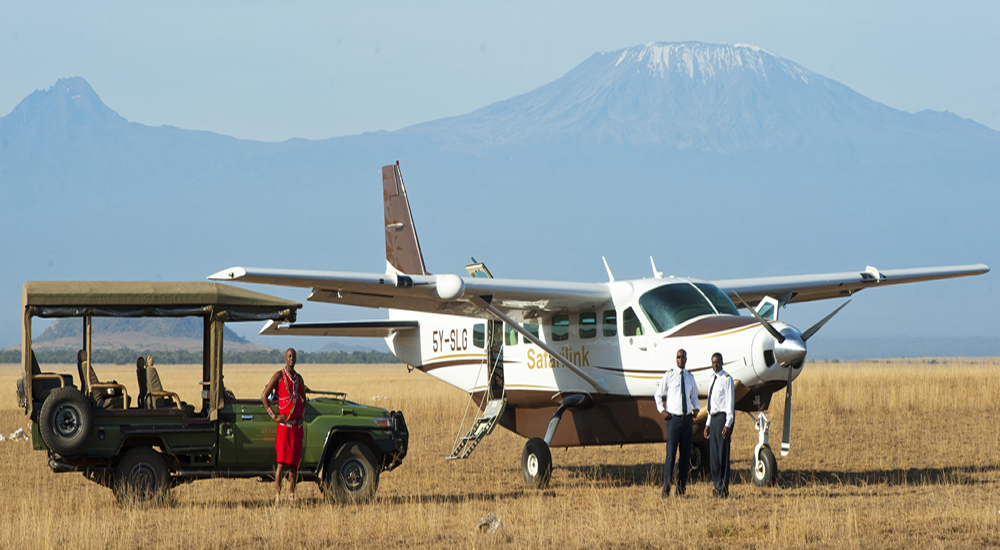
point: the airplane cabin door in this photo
(635, 345)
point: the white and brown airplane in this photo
(567, 364)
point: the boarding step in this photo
(482, 427)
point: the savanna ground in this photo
(885, 454)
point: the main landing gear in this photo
(536, 459)
(765, 467)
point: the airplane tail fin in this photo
(402, 248)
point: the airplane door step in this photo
(482, 427)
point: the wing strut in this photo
(600, 385)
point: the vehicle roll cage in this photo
(215, 302)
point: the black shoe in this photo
(665, 492)
(715, 493)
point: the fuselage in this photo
(626, 344)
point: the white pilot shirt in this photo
(672, 382)
(721, 397)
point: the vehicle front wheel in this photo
(765, 468)
(66, 420)
(351, 474)
(536, 463)
(142, 476)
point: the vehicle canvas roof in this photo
(112, 294)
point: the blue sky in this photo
(273, 71)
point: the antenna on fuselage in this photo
(656, 274)
(610, 276)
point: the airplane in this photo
(576, 363)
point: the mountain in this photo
(153, 334)
(721, 161)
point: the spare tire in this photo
(66, 421)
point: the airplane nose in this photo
(791, 351)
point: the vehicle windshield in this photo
(672, 304)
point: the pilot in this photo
(677, 400)
(291, 406)
(719, 428)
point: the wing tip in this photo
(229, 274)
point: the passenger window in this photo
(610, 322)
(630, 324)
(479, 335)
(532, 329)
(510, 335)
(588, 325)
(560, 327)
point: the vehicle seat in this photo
(101, 396)
(42, 387)
(140, 374)
(155, 398)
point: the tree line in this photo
(124, 356)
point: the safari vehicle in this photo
(140, 440)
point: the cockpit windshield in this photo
(718, 298)
(670, 305)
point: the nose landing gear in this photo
(765, 467)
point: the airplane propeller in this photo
(789, 352)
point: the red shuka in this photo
(291, 403)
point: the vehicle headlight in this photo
(383, 422)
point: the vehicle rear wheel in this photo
(65, 421)
(765, 469)
(536, 463)
(142, 476)
(351, 474)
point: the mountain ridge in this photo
(733, 180)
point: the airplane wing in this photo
(370, 329)
(806, 288)
(446, 294)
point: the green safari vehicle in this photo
(141, 439)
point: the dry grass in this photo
(887, 454)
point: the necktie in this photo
(710, 396)
(684, 396)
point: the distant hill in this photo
(721, 161)
(153, 334)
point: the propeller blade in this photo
(774, 332)
(815, 328)
(786, 428)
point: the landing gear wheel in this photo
(142, 476)
(699, 461)
(351, 474)
(765, 468)
(65, 421)
(536, 463)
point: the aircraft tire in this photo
(765, 470)
(536, 463)
(351, 474)
(699, 461)
(65, 421)
(142, 476)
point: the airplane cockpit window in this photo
(560, 327)
(630, 324)
(718, 298)
(670, 305)
(609, 322)
(588, 325)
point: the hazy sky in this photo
(277, 70)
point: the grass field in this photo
(885, 454)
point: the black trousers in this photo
(679, 429)
(718, 451)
